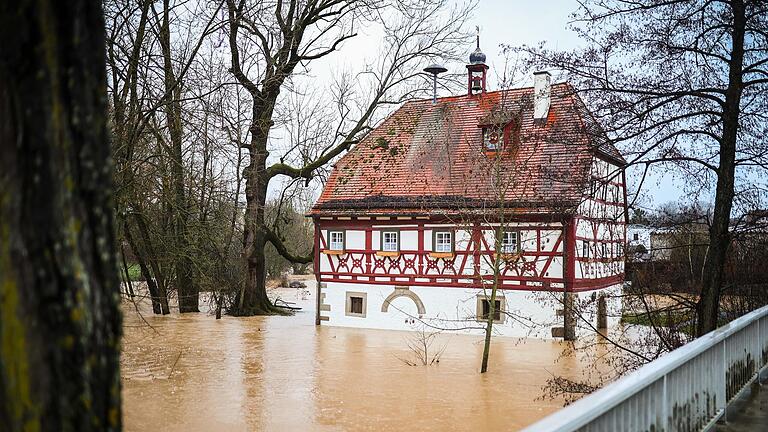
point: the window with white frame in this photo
(443, 241)
(585, 249)
(389, 241)
(605, 250)
(509, 242)
(336, 240)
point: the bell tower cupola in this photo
(476, 70)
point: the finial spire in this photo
(477, 32)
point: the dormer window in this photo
(501, 132)
(493, 138)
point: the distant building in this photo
(639, 242)
(406, 224)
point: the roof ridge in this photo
(509, 90)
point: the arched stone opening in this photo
(404, 292)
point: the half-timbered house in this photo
(409, 223)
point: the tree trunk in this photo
(492, 301)
(154, 293)
(148, 251)
(128, 282)
(59, 285)
(719, 236)
(253, 299)
(189, 297)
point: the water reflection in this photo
(194, 373)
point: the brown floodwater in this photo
(195, 373)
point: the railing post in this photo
(725, 382)
(759, 351)
(665, 406)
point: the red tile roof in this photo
(430, 158)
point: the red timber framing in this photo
(419, 268)
(606, 250)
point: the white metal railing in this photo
(685, 390)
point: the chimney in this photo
(541, 90)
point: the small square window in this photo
(509, 242)
(336, 240)
(443, 241)
(389, 241)
(484, 309)
(356, 304)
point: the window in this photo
(492, 138)
(443, 241)
(509, 242)
(585, 249)
(605, 250)
(484, 309)
(636, 236)
(356, 304)
(389, 241)
(336, 240)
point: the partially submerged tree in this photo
(177, 170)
(682, 83)
(270, 43)
(59, 287)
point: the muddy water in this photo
(194, 373)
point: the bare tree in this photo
(177, 170)
(268, 41)
(684, 83)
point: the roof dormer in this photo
(500, 132)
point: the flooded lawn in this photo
(194, 373)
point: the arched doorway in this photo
(404, 292)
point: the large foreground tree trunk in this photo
(59, 286)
